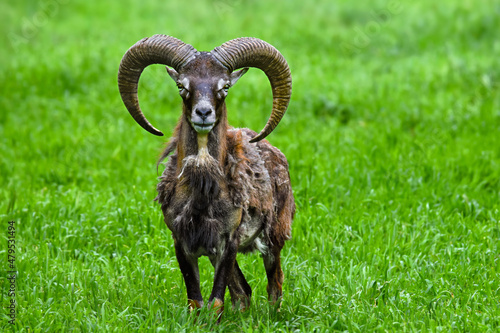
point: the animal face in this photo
(203, 85)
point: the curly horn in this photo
(253, 52)
(159, 49)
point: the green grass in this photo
(391, 135)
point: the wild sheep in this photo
(223, 190)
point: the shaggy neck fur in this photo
(200, 163)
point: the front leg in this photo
(190, 272)
(224, 265)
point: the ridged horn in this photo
(159, 49)
(253, 52)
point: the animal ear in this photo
(235, 76)
(173, 73)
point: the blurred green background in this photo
(391, 135)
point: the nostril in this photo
(203, 113)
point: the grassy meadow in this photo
(392, 137)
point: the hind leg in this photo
(272, 263)
(239, 289)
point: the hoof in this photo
(218, 305)
(276, 303)
(241, 304)
(194, 304)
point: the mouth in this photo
(202, 128)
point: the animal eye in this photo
(226, 87)
(183, 91)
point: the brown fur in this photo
(245, 180)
